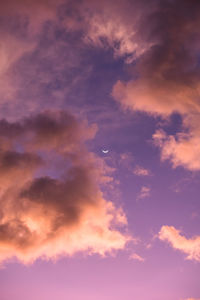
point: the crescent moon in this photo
(105, 151)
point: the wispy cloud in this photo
(136, 256)
(141, 171)
(144, 192)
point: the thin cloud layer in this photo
(51, 202)
(191, 247)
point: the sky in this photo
(99, 149)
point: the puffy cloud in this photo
(182, 149)
(51, 202)
(191, 247)
(166, 75)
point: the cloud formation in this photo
(166, 75)
(182, 149)
(113, 25)
(45, 66)
(51, 202)
(191, 247)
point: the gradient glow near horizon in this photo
(78, 221)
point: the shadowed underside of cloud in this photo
(51, 202)
(191, 247)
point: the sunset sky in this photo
(100, 150)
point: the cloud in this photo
(112, 27)
(144, 192)
(191, 247)
(51, 202)
(21, 22)
(137, 257)
(46, 69)
(166, 76)
(182, 150)
(38, 68)
(140, 171)
(193, 299)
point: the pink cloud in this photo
(144, 192)
(182, 149)
(191, 247)
(140, 171)
(135, 256)
(110, 24)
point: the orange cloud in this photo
(191, 247)
(51, 203)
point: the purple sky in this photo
(79, 77)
